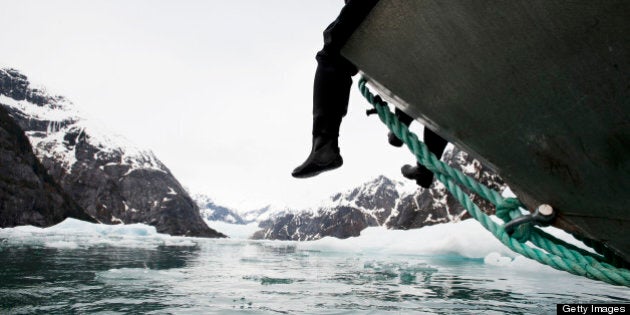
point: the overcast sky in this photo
(221, 91)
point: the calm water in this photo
(44, 274)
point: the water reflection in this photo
(270, 277)
(399, 284)
(34, 276)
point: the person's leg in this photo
(330, 103)
(331, 90)
(421, 174)
(405, 120)
(434, 142)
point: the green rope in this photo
(548, 249)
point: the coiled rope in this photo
(548, 249)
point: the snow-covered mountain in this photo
(343, 215)
(436, 205)
(211, 211)
(380, 202)
(110, 178)
(267, 212)
(258, 214)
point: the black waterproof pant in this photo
(434, 142)
(333, 78)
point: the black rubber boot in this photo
(324, 157)
(393, 140)
(419, 173)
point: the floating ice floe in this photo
(72, 234)
(467, 239)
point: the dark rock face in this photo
(28, 195)
(15, 85)
(381, 202)
(113, 181)
(378, 197)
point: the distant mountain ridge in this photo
(380, 202)
(112, 180)
(211, 211)
(345, 215)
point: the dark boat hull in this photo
(538, 90)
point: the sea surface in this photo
(81, 268)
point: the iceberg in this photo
(72, 234)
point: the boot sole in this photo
(334, 165)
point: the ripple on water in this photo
(239, 277)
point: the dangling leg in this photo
(421, 174)
(406, 120)
(331, 90)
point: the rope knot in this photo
(506, 206)
(523, 232)
(507, 210)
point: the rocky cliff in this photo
(112, 180)
(28, 195)
(380, 202)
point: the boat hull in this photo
(538, 90)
